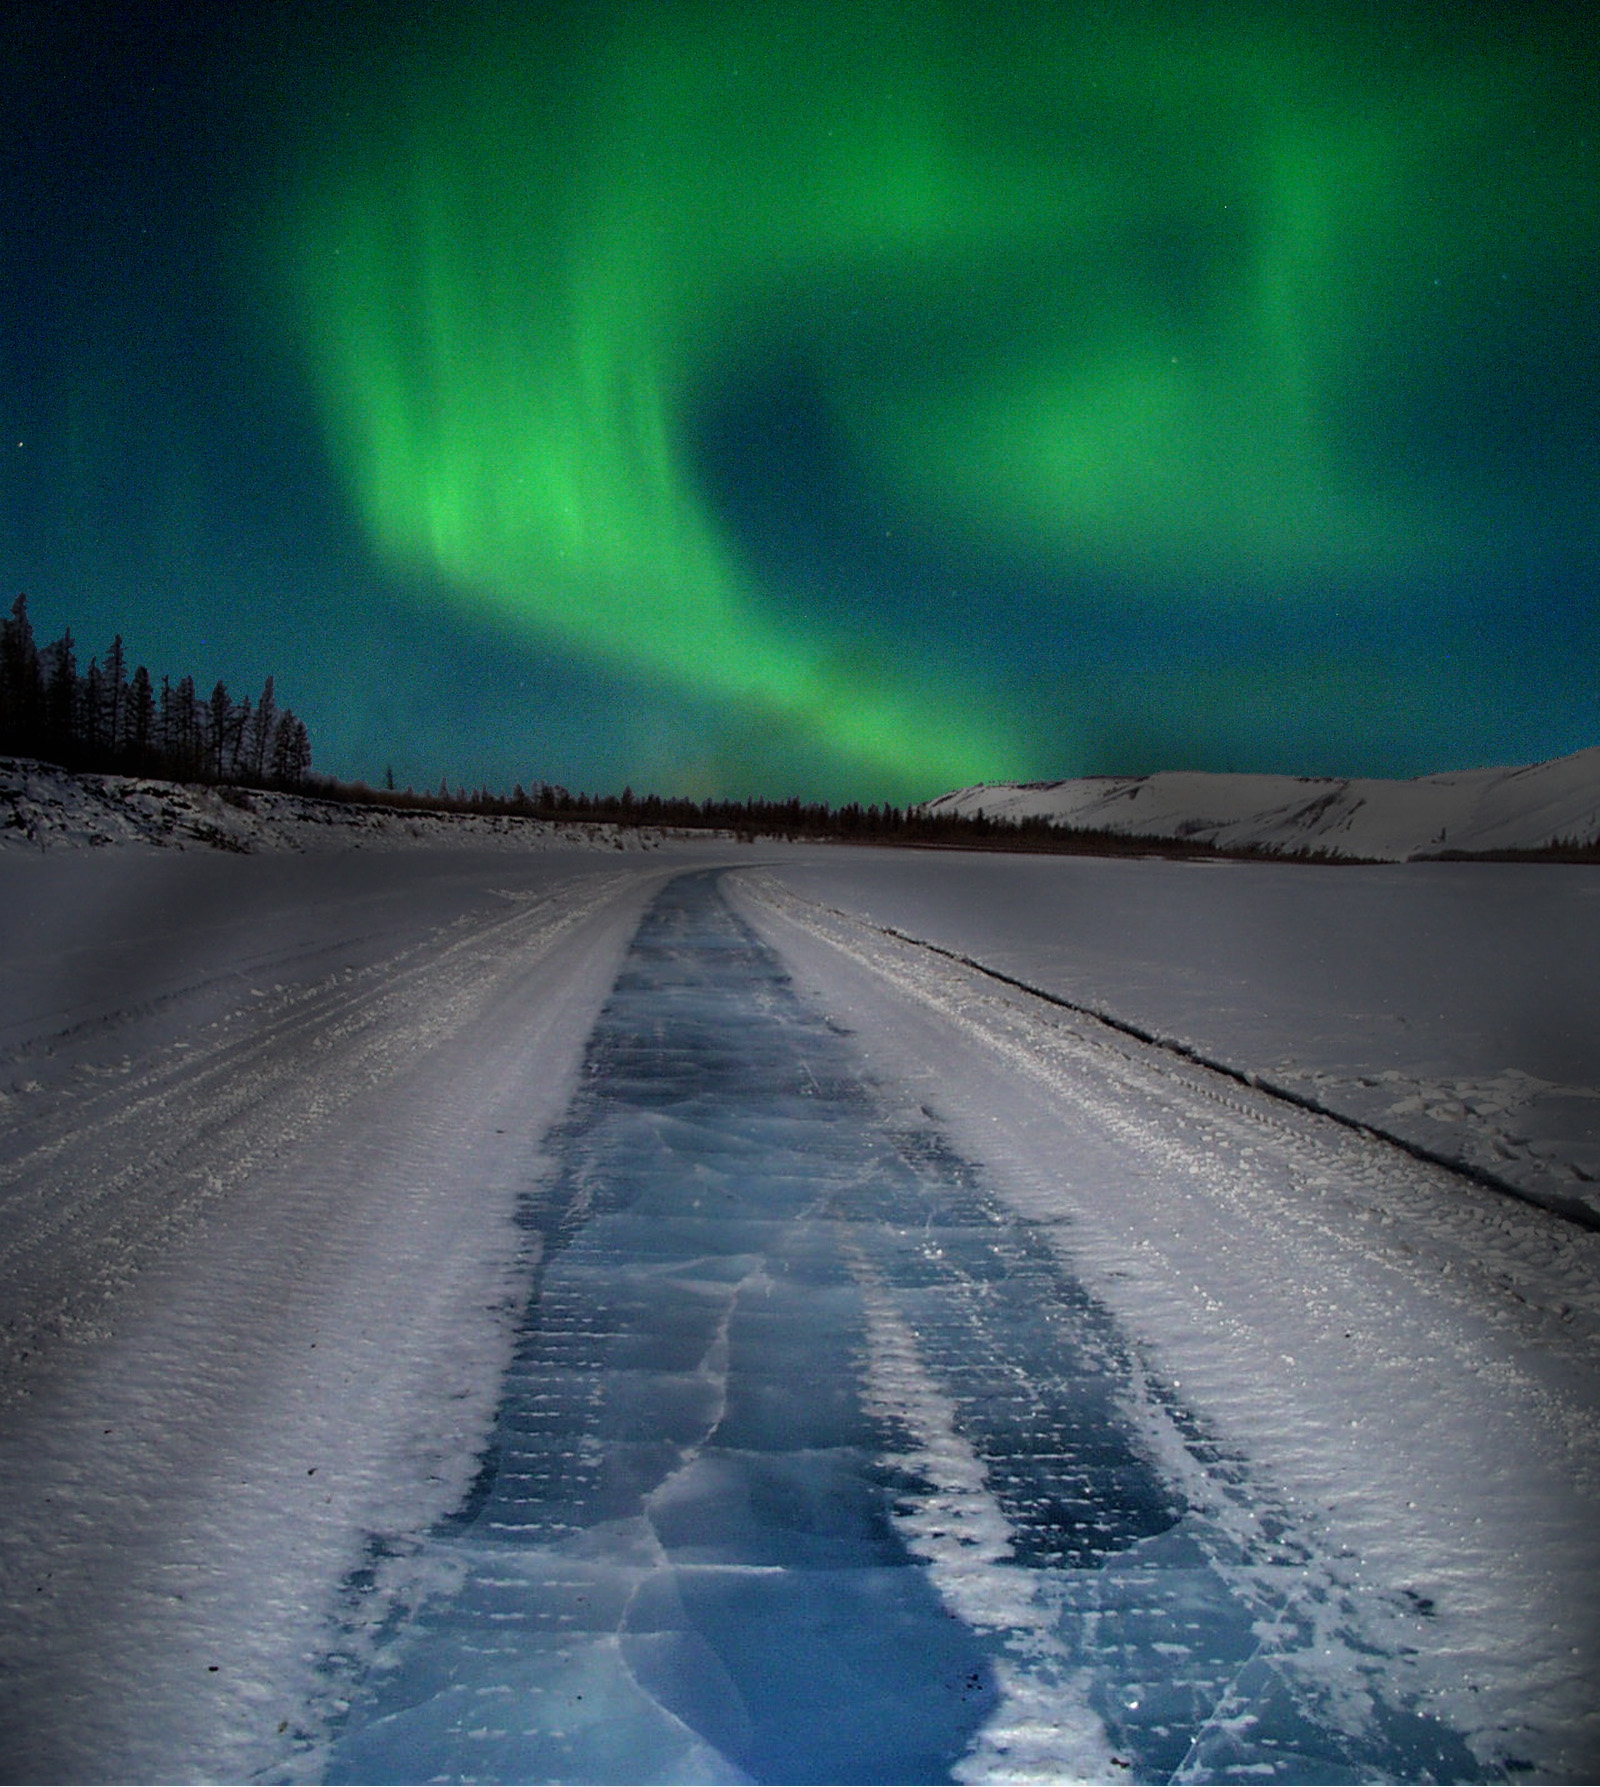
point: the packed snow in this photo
(1452, 1005)
(550, 1313)
(1472, 811)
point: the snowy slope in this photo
(1383, 821)
(43, 807)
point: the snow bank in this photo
(1383, 821)
(43, 807)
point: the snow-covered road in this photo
(266, 1124)
(1403, 1365)
(822, 1359)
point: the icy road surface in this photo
(556, 1316)
(815, 1464)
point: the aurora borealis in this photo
(854, 400)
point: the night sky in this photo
(848, 400)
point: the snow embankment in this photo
(1469, 811)
(43, 807)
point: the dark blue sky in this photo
(765, 398)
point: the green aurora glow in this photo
(1175, 301)
(826, 397)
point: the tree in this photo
(114, 699)
(291, 751)
(141, 728)
(21, 680)
(102, 720)
(219, 723)
(263, 724)
(60, 728)
(180, 728)
(90, 729)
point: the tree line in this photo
(105, 718)
(792, 819)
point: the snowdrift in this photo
(43, 807)
(1469, 811)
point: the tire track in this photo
(1519, 1257)
(1411, 1356)
(92, 1194)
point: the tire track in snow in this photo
(1569, 1209)
(1044, 1728)
(89, 1195)
(313, 1360)
(1526, 1254)
(1446, 1341)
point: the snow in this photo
(1409, 1361)
(1454, 1005)
(43, 807)
(294, 1144)
(264, 1125)
(1521, 808)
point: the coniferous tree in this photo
(114, 699)
(219, 721)
(302, 750)
(243, 727)
(61, 698)
(291, 750)
(103, 720)
(141, 733)
(89, 734)
(21, 679)
(263, 724)
(183, 731)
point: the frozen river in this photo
(815, 1464)
(717, 1313)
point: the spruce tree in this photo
(219, 718)
(291, 751)
(183, 743)
(141, 733)
(21, 681)
(91, 736)
(114, 699)
(61, 699)
(263, 725)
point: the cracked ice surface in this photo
(815, 1464)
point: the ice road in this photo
(648, 1323)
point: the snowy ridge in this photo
(43, 807)
(1524, 808)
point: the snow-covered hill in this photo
(1474, 810)
(43, 807)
